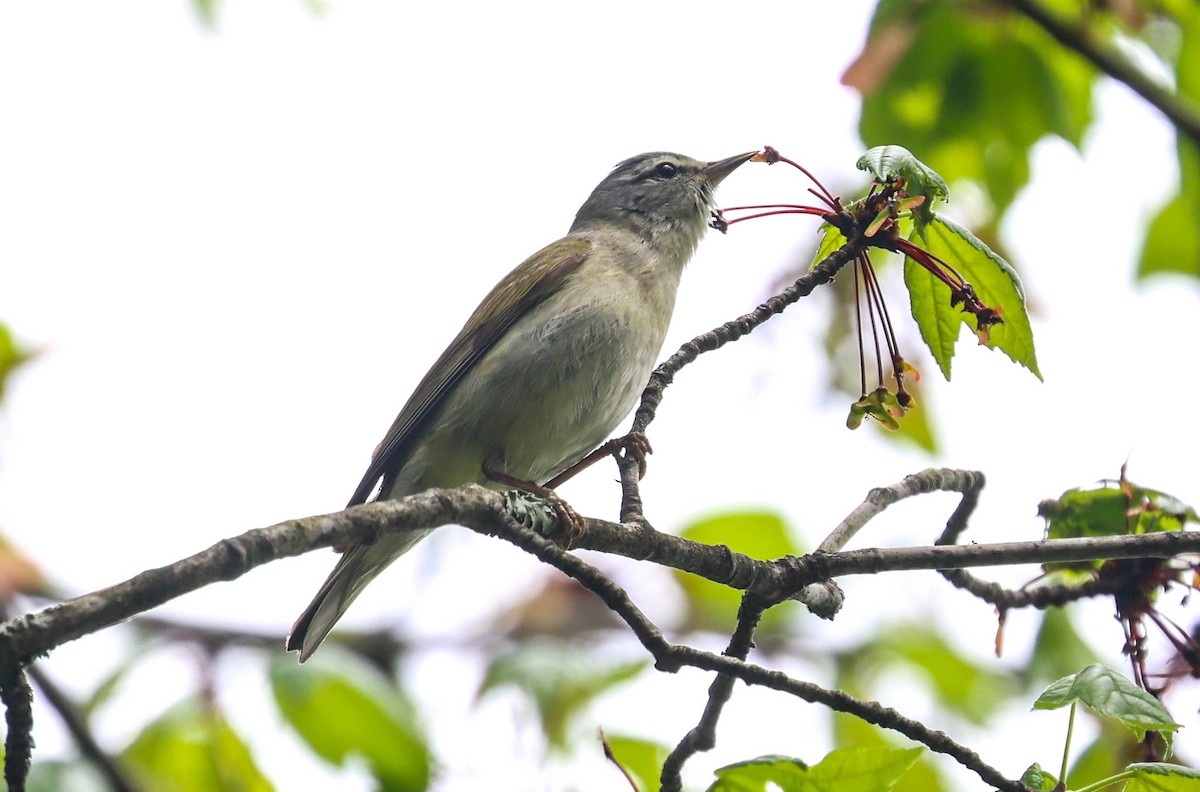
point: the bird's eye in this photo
(666, 170)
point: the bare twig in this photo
(732, 330)
(704, 736)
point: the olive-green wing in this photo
(526, 286)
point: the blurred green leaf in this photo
(1173, 238)
(642, 759)
(353, 711)
(560, 678)
(852, 732)
(995, 282)
(1104, 757)
(1108, 693)
(761, 535)
(972, 92)
(12, 355)
(959, 685)
(57, 776)
(846, 770)
(1172, 241)
(111, 684)
(208, 11)
(192, 748)
(1058, 647)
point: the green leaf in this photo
(642, 759)
(12, 355)
(1110, 694)
(845, 770)
(353, 711)
(1173, 238)
(1037, 779)
(1162, 777)
(994, 281)
(1113, 509)
(561, 679)
(192, 748)
(974, 691)
(761, 535)
(1058, 647)
(853, 732)
(1172, 241)
(887, 162)
(1104, 757)
(831, 240)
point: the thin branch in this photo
(1076, 36)
(18, 717)
(968, 482)
(671, 657)
(26, 637)
(744, 325)
(704, 736)
(871, 712)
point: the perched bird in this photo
(547, 366)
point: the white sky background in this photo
(239, 251)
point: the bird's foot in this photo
(547, 514)
(634, 444)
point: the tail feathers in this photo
(356, 568)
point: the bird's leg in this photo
(573, 525)
(635, 444)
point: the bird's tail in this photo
(357, 567)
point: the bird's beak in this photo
(716, 171)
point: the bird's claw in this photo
(546, 514)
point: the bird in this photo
(546, 367)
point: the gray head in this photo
(665, 198)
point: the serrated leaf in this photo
(560, 679)
(642, 759)
(761, 535)
(1162, 777)
(887, 162)
(845, 770)
(1110, 694)
(192, 748)
(995, 282)
(353, 712)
